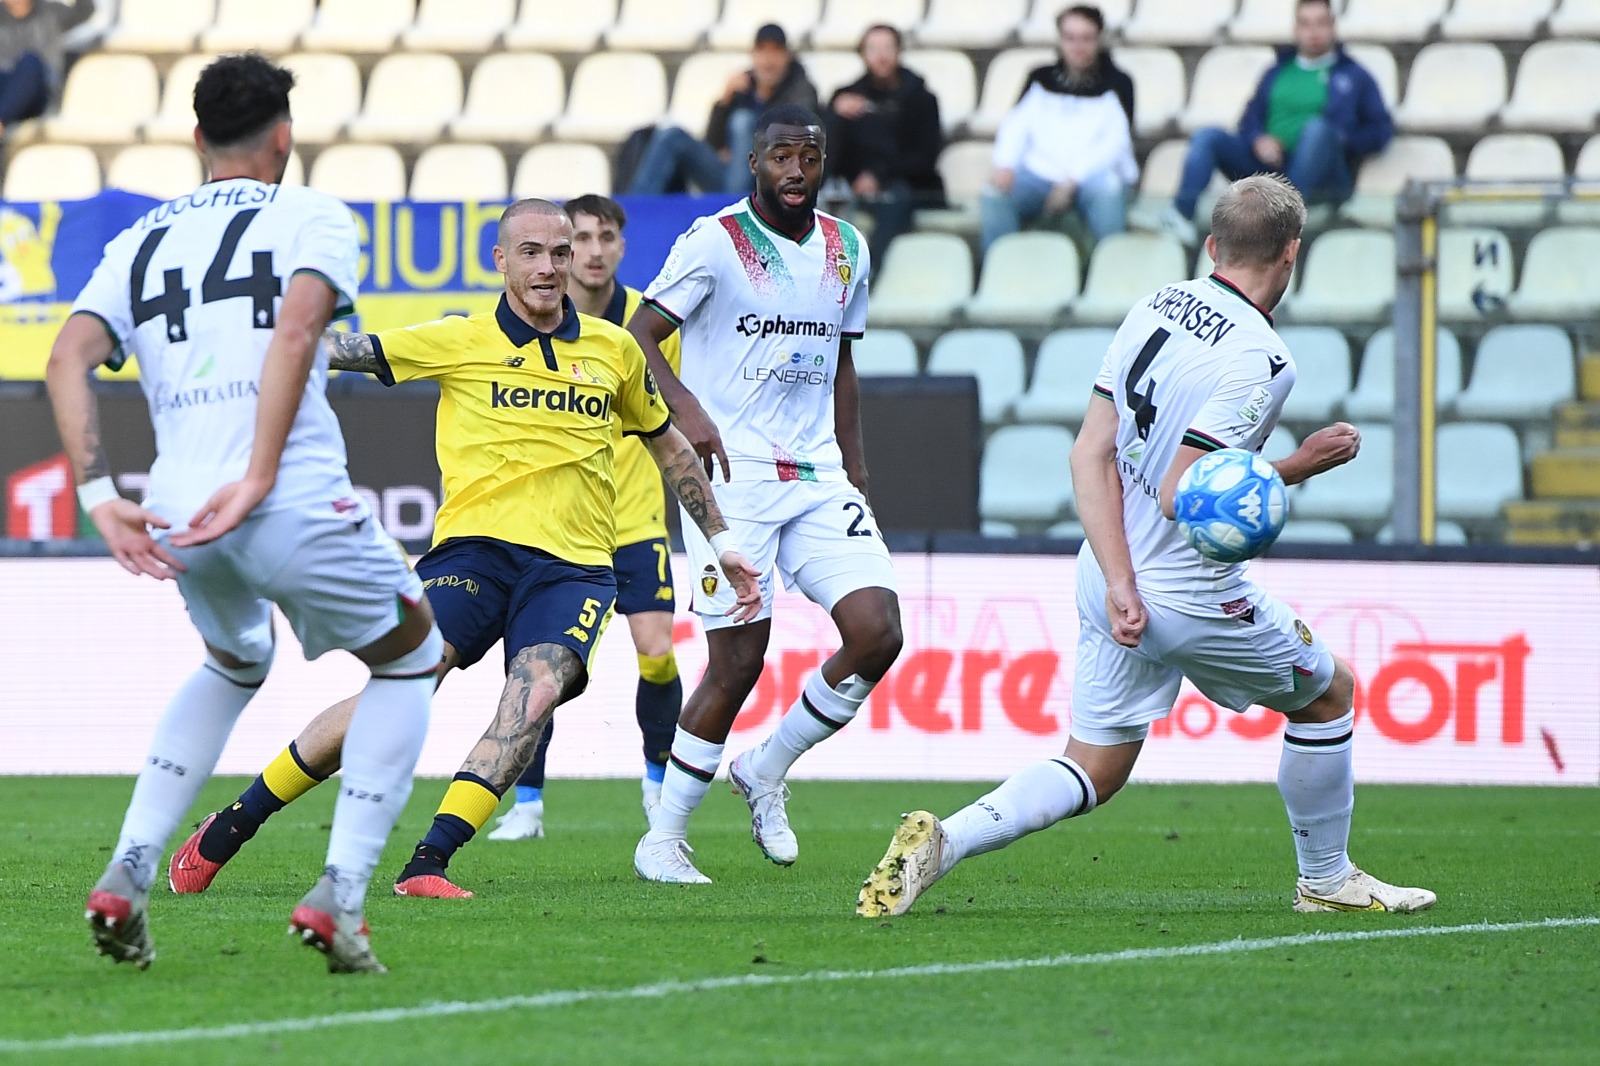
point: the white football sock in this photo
(1318, 784)
(1033, 799)
(381, 747)
(820, 712)
(690, 770)
(187, 744)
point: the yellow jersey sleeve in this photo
(640, 409)
(426, 351)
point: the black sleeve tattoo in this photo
(97, 465)
(687, 479)
(350, 351)
(540, 678)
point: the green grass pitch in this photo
(1160, 868)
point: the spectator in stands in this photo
(884, 138)
(721, 162)
(1315, 115)
(1068, 143)
(30, 54)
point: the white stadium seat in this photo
(1391, 20)
(1379, 61)
(1068, 530)
(1191, 22)
(1475, 272)
(165, 171)
(1443, 533)
(925, 278)
(741, 18)
(843, 21)
(597, 111)
(325, 97)
(1125, 267)
(1063, 376)
(1479, 468)
(964, 24)
(1040, 25)
(573, 27)
(1028, 279)
(1361, 490)
(653, 26)
(1263, 22)
(1158, 182)
(513, 96)
(884, 353)
(993, 356)
(157, 26)
(1223, 84)
(446, 172)
(1583, 210)
(1159, 87)
(1455, 87)
(1576, 18)
(831, 71)
(950, 78)
(1348, 277)
(174, 122)
(106, 99)
(1314, 531)
(699, 85)
(1383, 176)
(1322, 372)
(451, 26)
(562, 171)
(1495, 20)
(1560, 275)
(991, 528)
(1003, 84)
(369, 26)
(965, 167)
(1557, 88)
(52, 172)
(269, 27)
(411, 96)
(1026, 475)
(357, 173)
(1373, 398)
(1520, 373)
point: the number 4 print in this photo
(261, 285)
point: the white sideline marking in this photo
(751, 980)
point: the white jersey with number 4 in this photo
(1195, 364)
(192, 291)
(761, 316)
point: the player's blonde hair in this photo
(1256, 219)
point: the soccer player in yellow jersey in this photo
(645, 596)
(523, 540)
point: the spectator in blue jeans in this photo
(30, 54)
(721, 162)
(1315, 115)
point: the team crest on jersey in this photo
(708, 581)
(582, 371)
(1302, 631)
(841, 263)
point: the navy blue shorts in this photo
(483, 590)
(644, 577)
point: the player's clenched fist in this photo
(1332, 446)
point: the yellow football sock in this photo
(287, 777)
(469, 799)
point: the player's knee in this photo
(241, 671)
(737, 668)
(875, 645)
(658, 669)
(1335, 701)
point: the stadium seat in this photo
(1158, 182)
(1190, 22)
(1516, 157)
(358, 173)
(513, 96)
(1063, 376)
(925, 278)
(652, 26)
(1399, 21)
(596, 111)
(1159, 88)
(1223, 84)
(410, 98)
(993, 356)
(964, 166)
(1359, 491)
(1003, 530)
(1028, 279)
(106, 99)
(1379, 61)
(1068, 530)
(1040, 25)
(964, 24)
(1322, 372)
(365, 26)
(174, 122)
(1576, 18)
(1479, 468)
(1583, 208)
(1560, 275)
(831, 71)
(843, 21)
(884, 353)
(52, 172)
(325, 97)
(1026, 474)
(1455, 87)
(1373, 398)
(951, 78)
(1348, 276)
(562, 171)
(164, 171)
(699, 85)
(244, 24)
(1314, 531)
(1383, 176)
(451, 26)
(446, 172)
(1520, 373)
(1443, 533)
(1475, 272)
(1126, 267)
(1003, 84)
(159, 26)
(1557, 88)
(1495, 20)
(736, 30)
(1263, 22)
(573, 27)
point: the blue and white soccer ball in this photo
(1231, 505)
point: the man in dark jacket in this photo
(1315, 116)
(30, 53)
(884, 138)
(721, 162)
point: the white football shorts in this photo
(1250, 650)
(820, 536)
(337, 577)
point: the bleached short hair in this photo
(1256, 219)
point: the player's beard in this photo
(787, 217)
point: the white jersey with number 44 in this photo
(1195, 364)
(192, 290)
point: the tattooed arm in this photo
(350, 351)
(685, 475)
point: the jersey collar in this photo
(618, 305)
(522, 334)
(1231, 287)
(755, 212)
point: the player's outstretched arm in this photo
(1097, 491)
(1323, 450)
(649, 327)
(308, 304)
(350, 351)
(847, 418)
(82, 345)
(681, 468)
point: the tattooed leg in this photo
(540, 678)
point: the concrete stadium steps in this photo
(1553, 523)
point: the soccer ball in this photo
(1231, 505)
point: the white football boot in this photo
(1363, 892)
(524, 821)
(914, 861)
(667, 859)
(769, 818)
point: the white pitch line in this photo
(664, 989)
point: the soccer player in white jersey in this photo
(222, 295)
(769, 293)
(1194, 368)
